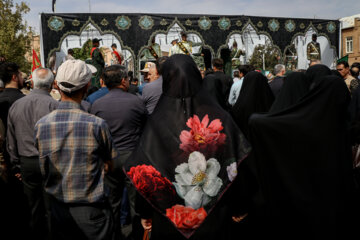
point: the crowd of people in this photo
(185, 155)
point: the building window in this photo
(349, 44)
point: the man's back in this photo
(22, 118)
(276, 85)
(151, 94)
(218, 84)
(73, 146)
(125, 114)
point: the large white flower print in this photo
(197, 181)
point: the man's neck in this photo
(12, 85)
(120, 87)
(74, 99)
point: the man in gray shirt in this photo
(125, 114)
(23, 115)
(153, 90)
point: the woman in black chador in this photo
(296, 85)
(303, 158)
(255, 97)
(189, 157)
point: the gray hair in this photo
(42, 80)
(278, 68)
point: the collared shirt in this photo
(235, 91)
(236, 79)
(73, 146)
(23, 115)
(96, 95)
(151, 94)
(126, 115)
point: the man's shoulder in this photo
(70, 115)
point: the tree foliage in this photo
(84, 52)
(271, 57)
(15, 35)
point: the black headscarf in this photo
(295, 86)
(304, 162)
(315, 72)
(255, 97)
(186, 124)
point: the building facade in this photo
(350, 38)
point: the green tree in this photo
(84, 52)
(15, 35)
(267, 52)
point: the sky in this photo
(321, 9)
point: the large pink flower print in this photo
(202, 137)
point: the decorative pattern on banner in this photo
(290, 25)
(238, 23)
(205, 23)
(56, 23)
(188, 22)
(331, 27)
(75, 23)
(56, 27)
(224, 23)
(104, 22)
(274, 25)
(163, 22)
(123, 22)
(146, 22)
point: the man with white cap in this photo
(145, 73)
(75, 151)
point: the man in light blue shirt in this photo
(236, 87)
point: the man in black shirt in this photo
(125, 113)
(13, 81)
(218, 84)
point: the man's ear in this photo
(14, 78)
(56, 85)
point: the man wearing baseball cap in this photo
(75, 150)
(145, 73)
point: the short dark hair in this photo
(160, 63)
(345, 63)
(236, 74)
(314, 35)
(114, 74)
(218, 63)
(244, 69)
(7, 70)
(70, 51)
(356, 64)
(114, 45)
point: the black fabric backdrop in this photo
(136, 37)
